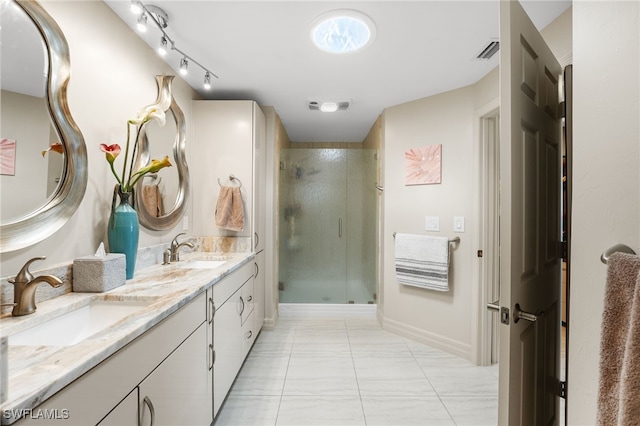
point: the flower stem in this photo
(130, 184)
(126, 155)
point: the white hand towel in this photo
(422, 261)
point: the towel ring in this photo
(231, 177)
(604, 258)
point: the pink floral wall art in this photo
(423, 165)
(7, 157)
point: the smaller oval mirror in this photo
(161, 198)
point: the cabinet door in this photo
(228, 347)
(259, 292)
(259, 178)
(176, 392)
(125, 413)
(211, 310)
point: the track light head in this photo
(142, 23)
(162, 49)
(136, 7)
(184, 65)
(207, 81)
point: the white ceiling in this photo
(261, 50)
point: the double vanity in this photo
(162, 349)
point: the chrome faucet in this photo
(175, 248)
(24, 289)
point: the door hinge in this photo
(480, 253)
(562, 110)
(562, 389)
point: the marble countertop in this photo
(35, 373)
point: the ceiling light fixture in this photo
(207, 81)
(161, 20)
(142, 23)
(342, 31)
(184, 65)
(328, 105)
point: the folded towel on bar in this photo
(422, 261)
(230, 209)
(619, 387)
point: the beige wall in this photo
(440, 318)
(606, 198)
(112, 77)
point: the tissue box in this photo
(95, 274)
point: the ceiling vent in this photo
(328, 105)
(489, 50)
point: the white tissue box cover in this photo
(96, 274)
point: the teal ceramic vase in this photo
(124, 228)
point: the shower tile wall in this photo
(327, 226)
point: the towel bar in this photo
(617, 248)
(231, 177)
(453, 240)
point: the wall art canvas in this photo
(7, 157)
(423, 166)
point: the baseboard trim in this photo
(446, 344)
(325, 310)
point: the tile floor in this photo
(349, 371)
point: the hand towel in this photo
(152, 200)
(230, 209)
(619, 387)
(422, 261)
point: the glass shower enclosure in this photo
(328, 224)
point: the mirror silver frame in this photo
(47, 219)
(173, 215)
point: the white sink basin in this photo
(204, 262)
(75, 326)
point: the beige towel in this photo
(619, 388)
(152, 200)
(230, 209)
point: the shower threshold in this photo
(325, 310)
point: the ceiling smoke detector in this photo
(328, 105)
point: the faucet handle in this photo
(24, 276)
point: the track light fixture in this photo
(184, 65)
(161, 20)
(142, 23)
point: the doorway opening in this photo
(328, 226)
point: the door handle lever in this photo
(519, 314)
(494, 306)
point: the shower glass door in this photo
(324, 242)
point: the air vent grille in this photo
(490, 50)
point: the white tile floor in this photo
(351, 372)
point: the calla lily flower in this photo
(151, 168)
(55, 147)
(152, 112)
(111, 151)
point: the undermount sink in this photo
(73, 327)
(204, 262)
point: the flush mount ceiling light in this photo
(342, 31)
(328, 105)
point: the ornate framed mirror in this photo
(161, 199)
(37, 207)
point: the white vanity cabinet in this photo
(233, 329)
(167, 365)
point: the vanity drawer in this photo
(223, 289)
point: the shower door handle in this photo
(340, 228)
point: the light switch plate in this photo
(432, 223)
(458, 224)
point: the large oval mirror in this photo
(161, 198)
(41, 186)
